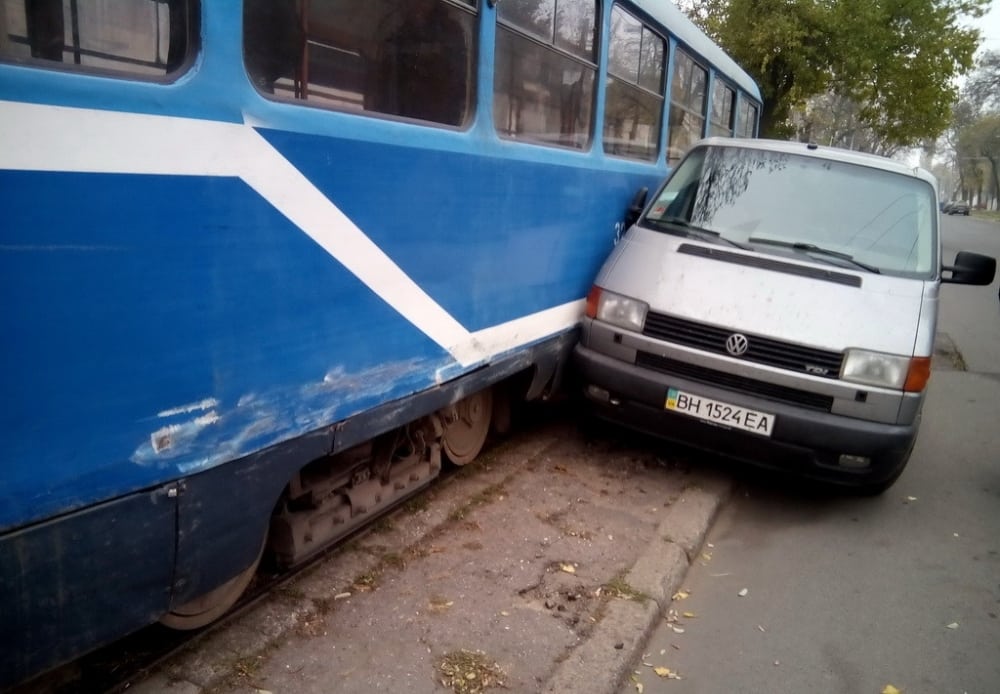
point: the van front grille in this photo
(733, 382)
(762, 350)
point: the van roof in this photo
(823, 152)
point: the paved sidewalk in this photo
(543, 566)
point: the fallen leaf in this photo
(638, 687)
(910, 499)
(505, 613)
(568, 568)
(953, 625)
(761, 628)
(743, 593)
(681, 595)
(666, 673)
(690, 615)
(889, 689)
(677, 630)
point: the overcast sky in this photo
(990, 27)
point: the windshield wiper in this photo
(691, 229)
(678, 222)
(812, 248)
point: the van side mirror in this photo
(971, 268)
(638, 205)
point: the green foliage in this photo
(896, 59)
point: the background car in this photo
(957, 207)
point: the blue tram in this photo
(265, 264)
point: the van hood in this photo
(820, 305)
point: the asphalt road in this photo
(801, 592)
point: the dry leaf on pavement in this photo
(666, 673)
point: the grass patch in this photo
(618, 587)
(492, 493)
(418, 504)
(393, 560)
(470, 672)
(383, 525)
(366, 581)
(247, 667)
(987, 215)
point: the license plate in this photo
(709, 410)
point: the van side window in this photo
(545, 70)
(723, 101)
(408, 58)
(143, 38)
(634, 101)
(687, 105)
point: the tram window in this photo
(687, 105)
(634, 99)
(723, 100)
(142, 38)
(748, 119)
(544, 71)
(409, 58)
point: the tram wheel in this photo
(206, 608)
(466, 425)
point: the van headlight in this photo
(875, 369)
(620, 311)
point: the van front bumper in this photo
(805, 441)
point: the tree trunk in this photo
(995, 193)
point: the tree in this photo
(979, 153)
(835, 120)
(963, 115)
(894, 59)
(983, 85)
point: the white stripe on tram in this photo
(56, 138)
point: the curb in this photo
(600, 664)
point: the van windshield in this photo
(779, 203)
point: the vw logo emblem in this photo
(737, 344)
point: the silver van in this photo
(777, 303)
